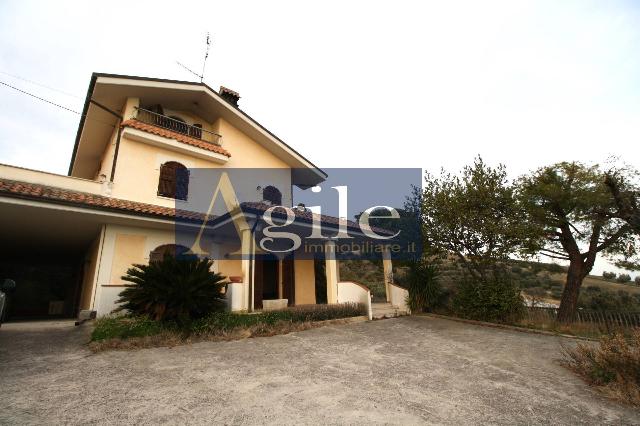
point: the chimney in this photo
(230, 96)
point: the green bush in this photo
(637, 280)
(623, 278)
(494, 298)
(423, 284)
(227, 321)
(173, 289)
(222, 322)
(127, 326)
(609, 275)
(596, 299)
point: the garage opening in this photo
(45, 288)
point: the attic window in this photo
(174, 181)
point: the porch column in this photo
(387, 267)
(243, 300)
(332, 271)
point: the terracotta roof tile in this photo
(19, 189)
(160, 131)
(64, 196)
(307, 216)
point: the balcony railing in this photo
(178, 126)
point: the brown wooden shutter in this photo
(174, 181)
(167, 185)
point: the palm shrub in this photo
(173, 289)
(423, 284)
(493, 297)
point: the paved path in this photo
(401, 371)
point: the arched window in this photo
(272, 195)
(174, 250)
(174, 181)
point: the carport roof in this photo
(33, 191)
(27, 190)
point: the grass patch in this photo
(613, 366)
(130, 332)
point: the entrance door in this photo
(265, 280)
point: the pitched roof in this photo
(53, 194)
(307, 216)
(19, 189)
(89, 99)
(160, 131)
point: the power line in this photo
(41, 85)
(55, 104)
(39, 98)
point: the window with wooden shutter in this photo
(174, 181)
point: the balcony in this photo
(178, 126)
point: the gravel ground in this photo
(398, 371)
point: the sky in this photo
(360, 84)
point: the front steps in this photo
(385, 310)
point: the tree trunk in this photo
(569, 301)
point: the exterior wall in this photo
(128, 249)
(106, 162)
(352, 292)
(398, 297)
(228, 267)
(126, 245)
(245, 152)
(51, 179)
(90, 273)
(305, 282)
(129, 108)
(138, 171)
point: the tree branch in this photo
(555, 257)
(608, 242)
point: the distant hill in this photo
(544, 281)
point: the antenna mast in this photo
(206, 55)
(204, 62)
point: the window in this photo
(174, 250)
(272, 195)
(174, 181)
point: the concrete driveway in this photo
(400, 371)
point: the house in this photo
(128, 196)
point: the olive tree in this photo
(473, 216)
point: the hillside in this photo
(541, 281)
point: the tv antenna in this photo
(204, 62)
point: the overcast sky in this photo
(364, 84)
